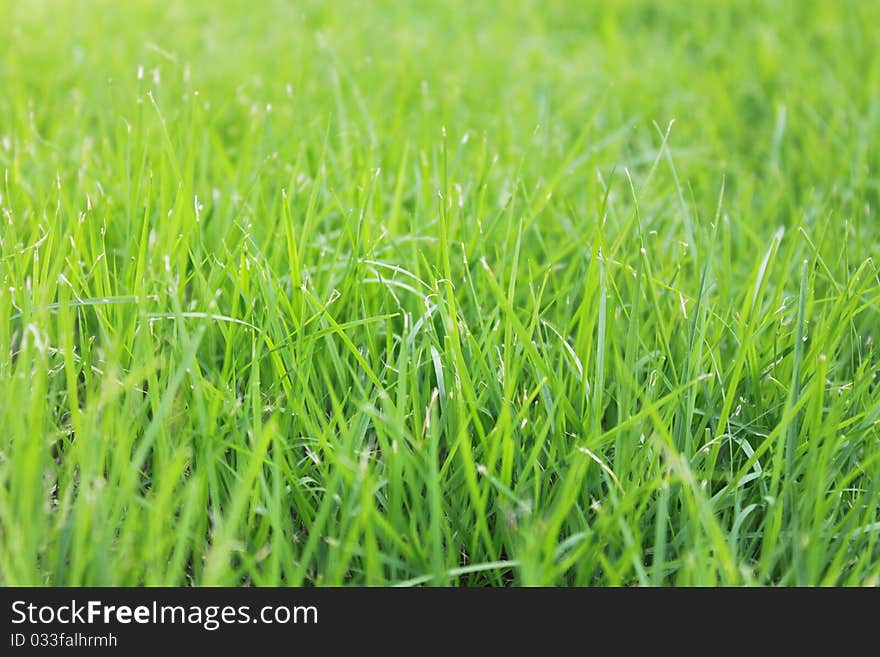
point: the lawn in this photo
(444, 293)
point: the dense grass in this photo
(504, 293)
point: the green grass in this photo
(446, 293)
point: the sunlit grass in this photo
(530, 293)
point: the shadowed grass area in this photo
(523, 293)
